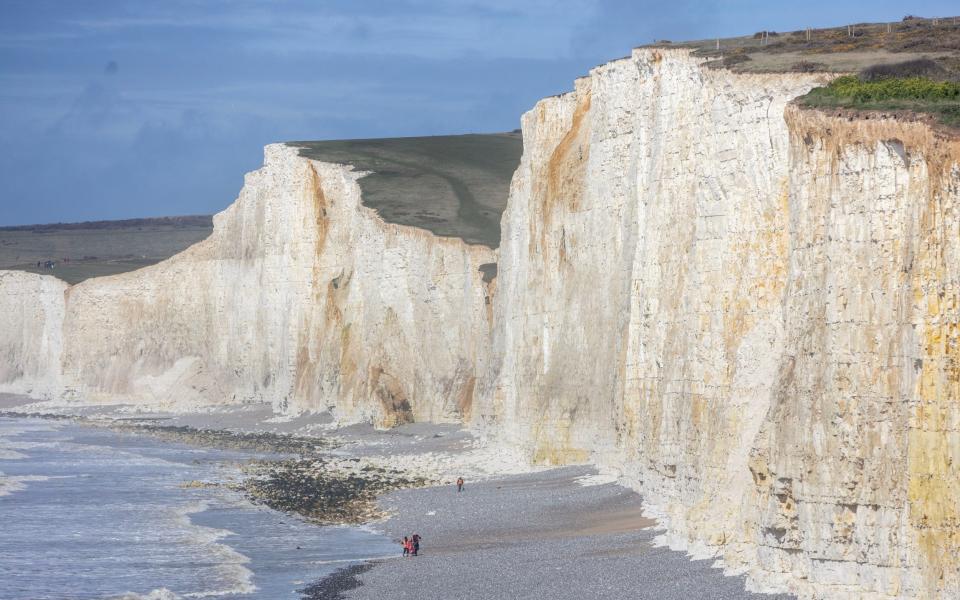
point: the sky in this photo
(126, 109)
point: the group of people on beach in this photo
(411, 545)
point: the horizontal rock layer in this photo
(747, 310)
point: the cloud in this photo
(204, 85)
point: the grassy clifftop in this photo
(919, 86)
(847, 48)
(452, 185)
(908, 65)
(917, 94)
(79, 251)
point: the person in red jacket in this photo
(407, 546)
(415, 540)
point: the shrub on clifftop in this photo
(918, 94)
(912, 88)
(921, 67)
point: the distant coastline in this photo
(178, 221)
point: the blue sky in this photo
(128, 109)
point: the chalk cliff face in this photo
(643, 244)
(301, 297)
(639, 310)
(748, 310)
(856, 466)
(31, 319)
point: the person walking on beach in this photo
(406, 546)
(415, 540)
(459, 484)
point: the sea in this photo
(90, 513)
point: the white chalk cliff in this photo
(748, 310)
(301, 297)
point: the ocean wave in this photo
(7, 453)
(14, 447)
(10, 484)
(10, 448)
(13, 429)
(232, 564)
(158, 594)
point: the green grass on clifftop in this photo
(843, 49)
(99, 248)
(917, 94)
(452, 185)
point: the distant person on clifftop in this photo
(459, 484)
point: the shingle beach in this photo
(534, 536)
(549, 534)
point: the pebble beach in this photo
(513, 532)
(547, 535)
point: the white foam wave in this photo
(9, 454)
(232, 564)
(10, 484)
(158, 594)
(20, 428)
(14, 446)
(9, 448)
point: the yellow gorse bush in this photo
(912, 88)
